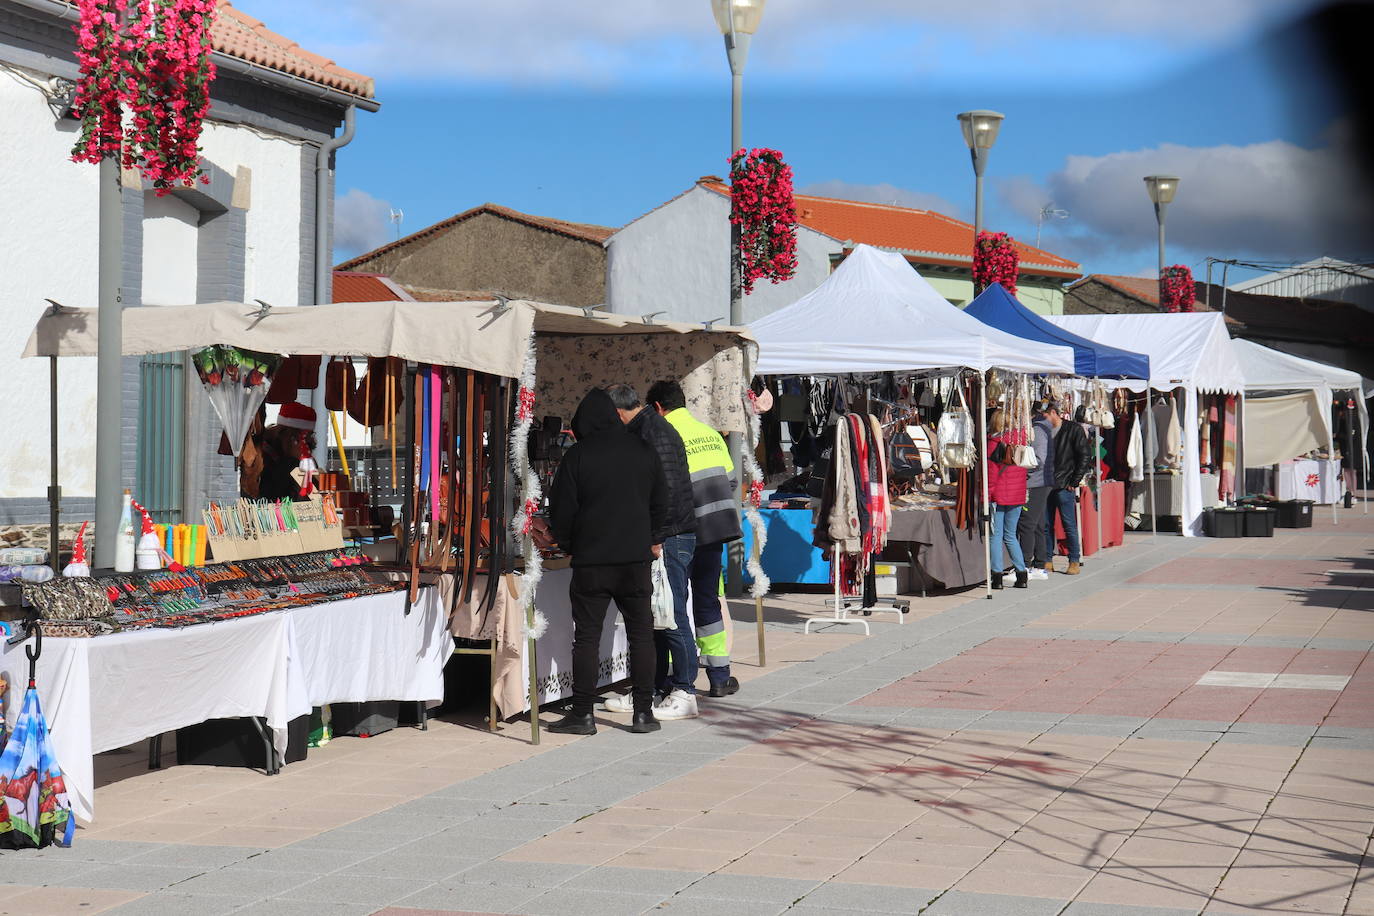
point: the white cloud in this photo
(882, 194)
(543, 42)
(1271, 200)
(361, 222)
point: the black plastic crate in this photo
(1224, 523)
(363, 720)
(1259, 522)
(237, 743)
(1294, 513)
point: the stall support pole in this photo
(754, 551)
(109, 400)
(1150, 459)
(55, 488)
(1330, 453)
(980, 429)
(1097, 476)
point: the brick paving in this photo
(1050, 751)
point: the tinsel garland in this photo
(753, 475)
(531, 493)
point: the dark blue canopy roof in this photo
(999, 309)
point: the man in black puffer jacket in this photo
(679, 540)
(1073, 461)
(607, 502)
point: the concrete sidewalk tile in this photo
(708, 906)
(633, 880)
(195, 856)
(960, 903)
(130, 877)
(423, 869)
(1083, 908)
(319, 861)
(281, 906)
(167, 904)
(873, 898)
(237, 881)
(476, 898)
(371, 890)
(43, 901)
(517, 874)
(571, 902)
(725, 886)
(19, 869)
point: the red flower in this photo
(1177, 292)
(995, 260)
(761, 205)
(1313, 480)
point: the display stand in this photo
(842, 604)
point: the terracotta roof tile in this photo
(237, 34)
(359, 287)
(586, 232)
(920, 234)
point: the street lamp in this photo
(738, 20)
(980, 133)
(1161, 189)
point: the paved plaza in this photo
(1187, 727)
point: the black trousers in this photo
(1030, 528)
(591, 592)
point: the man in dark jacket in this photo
(607, 501)
(1073, 461)
(1030, 528)
(678, 537)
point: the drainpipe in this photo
(323, 268)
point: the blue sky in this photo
(598, 112)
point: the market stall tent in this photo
(1270, 370)
(877, 314)
(998, 308)
(1191, 351)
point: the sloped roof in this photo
(919, 234)
(350, 286)
(237, 34)
(586, 232)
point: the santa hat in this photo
(150, 542)
(297, 416)
(78, 567)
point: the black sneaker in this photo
(644, 722)
(574, 724)
(724, 689)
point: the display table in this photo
(553, 659)
(1113, 519)
(788, 555)
(947, 556)
(107, 692)
(1319, 480)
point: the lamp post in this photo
(738, 20)
(1161, 189)
(980, 133)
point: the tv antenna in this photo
(1048, 212)
(396, 217)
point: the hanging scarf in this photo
(1228, 449)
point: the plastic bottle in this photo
(126, 540)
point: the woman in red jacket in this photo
(1007, 494)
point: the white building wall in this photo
(676, 259)
(272, 263)
(48, 234)
(169, 251)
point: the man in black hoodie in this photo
(607, 501)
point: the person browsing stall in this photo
(717, 523)
(1073, 462)
(1007, 494)
(607, 501)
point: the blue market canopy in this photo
(997, 308)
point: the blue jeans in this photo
(1004, 535)
(1065, 502)
(680, 644)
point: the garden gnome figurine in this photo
(78, 567)
(149, 553)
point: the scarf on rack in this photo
(842, 525)
(883, 511)
(858, 453)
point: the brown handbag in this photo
(285, 381)
(340, 381)
(309, 374)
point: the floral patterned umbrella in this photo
(34, 809)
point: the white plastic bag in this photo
(664, 616)
(955, 434)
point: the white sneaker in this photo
(618, 702)
(1039, 573)
(677, 705)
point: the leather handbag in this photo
(340, 381)
(955, 434)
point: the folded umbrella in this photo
(34, 808)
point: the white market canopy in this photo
(576, 349)
(1191, 349)
(876, 314)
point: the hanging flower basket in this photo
(995, 261)
(1176, 290)
(144, 86)
(761, 206)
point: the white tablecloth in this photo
(111, 691)
(554, 647)
(1307, 478)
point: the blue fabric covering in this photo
(999, 309)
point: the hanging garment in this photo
(1207, 416)
(1135, 452)
(842, 525)
(880, 449)
(1228, 449)
(1169, 433)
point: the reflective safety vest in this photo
(713, 489)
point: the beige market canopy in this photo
(577, 348)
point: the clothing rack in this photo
(842, 604)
